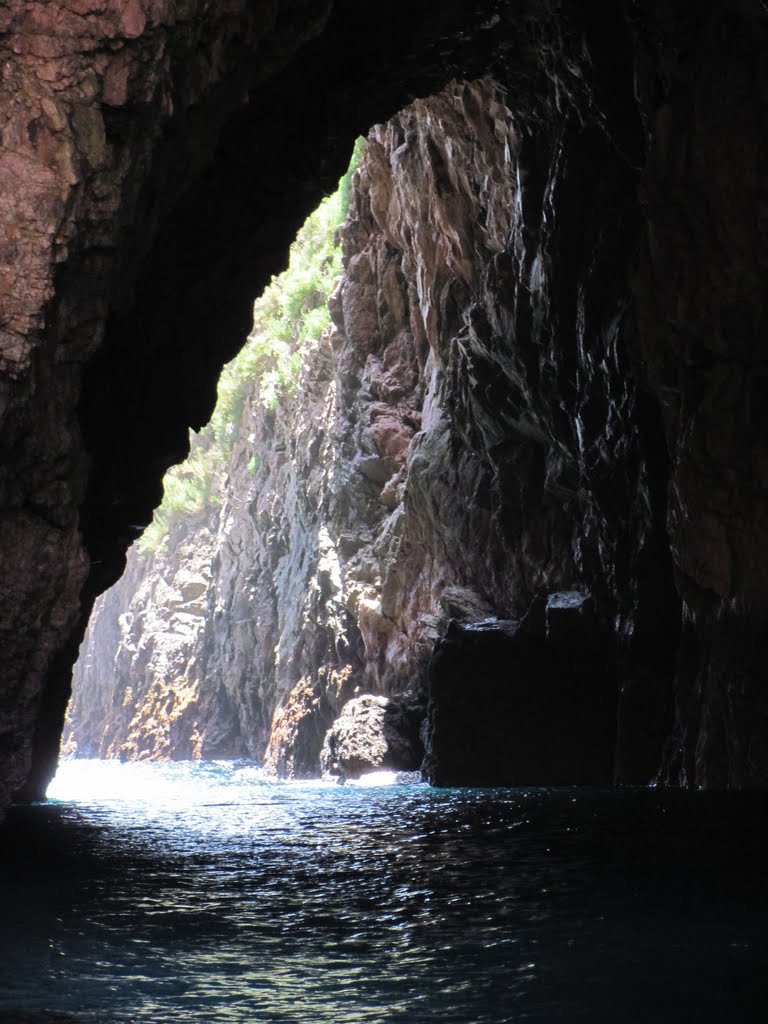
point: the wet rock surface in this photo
(548, 365)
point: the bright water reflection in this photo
(205, 893)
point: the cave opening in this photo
(548, 356)
(285, 602)
(176, 660)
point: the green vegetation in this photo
(288, 318)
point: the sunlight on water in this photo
(152, 784)
(204, 892)
(373, 779)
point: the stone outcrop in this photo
(374, 733)
(548, 361)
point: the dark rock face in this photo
(701, 340)
(553, 321)
(513, 296)
(510, 705)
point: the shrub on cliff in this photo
(292, 312)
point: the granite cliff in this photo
(548, 356)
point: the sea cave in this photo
(476, 492)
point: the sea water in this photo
(204, 892)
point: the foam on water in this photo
(385, 778)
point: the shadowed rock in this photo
(510, 707)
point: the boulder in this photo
(374, 733)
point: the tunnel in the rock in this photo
(567, 261)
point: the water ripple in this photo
(231, 898)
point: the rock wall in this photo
(484, 427)
(495, 444)
(425, 471)
(143, 691)
(571, 275)
(701, 344)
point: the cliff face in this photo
(426, 469)
(549, 354)
(143, 660)
(482, 434)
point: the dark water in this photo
(211, 895)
